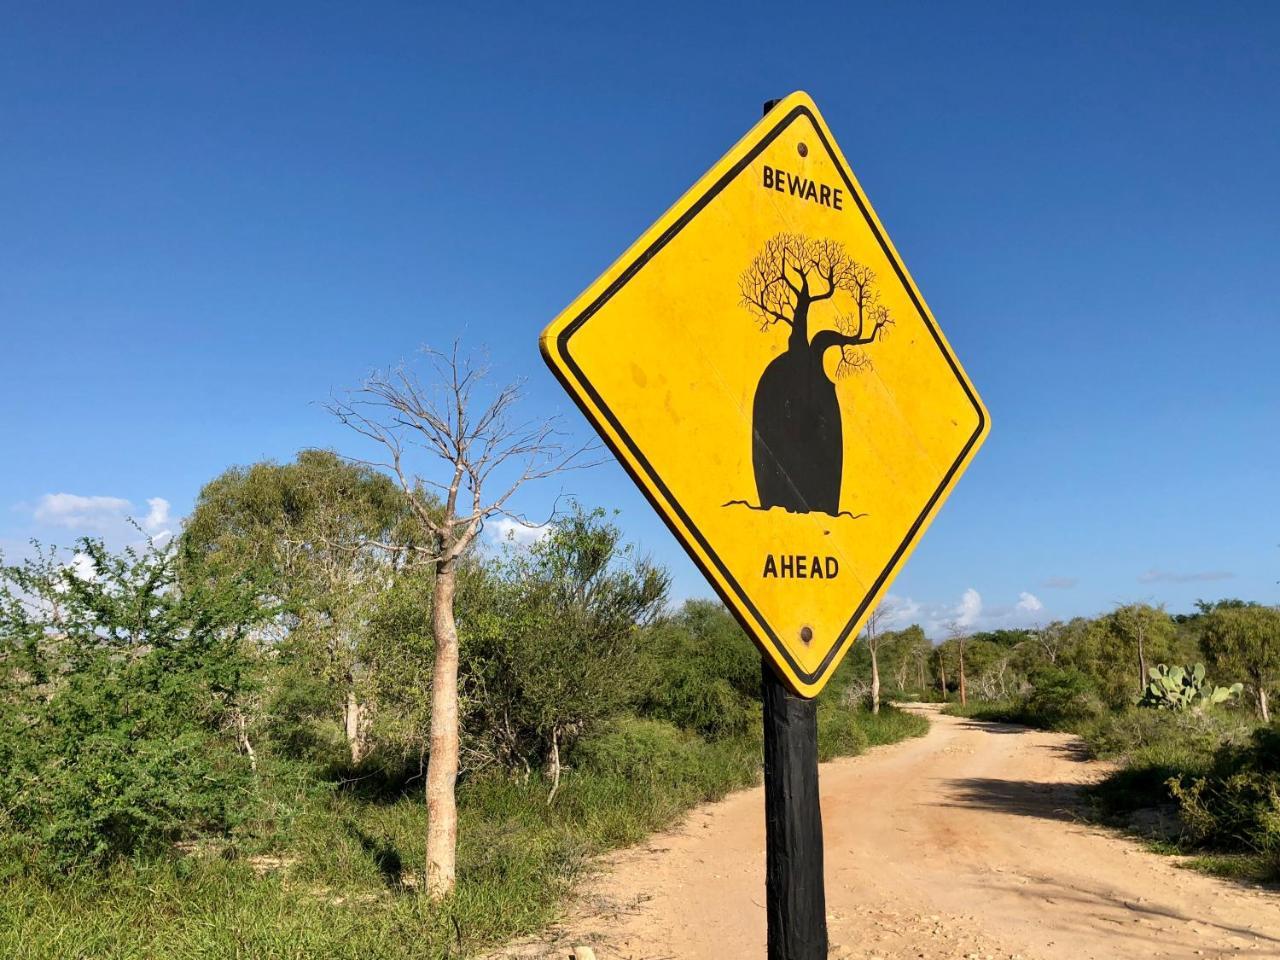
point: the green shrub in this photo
(1061, 697)
(1124, 733)
(991, 711)
(641, 749)
(845, 731)
(114, 725)
(1236, 804)
(705, 673)
(841, 731)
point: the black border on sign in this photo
(740, 595)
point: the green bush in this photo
(1125, 733)
(705, 673)
(1188, 763)
(991, 711)
(841, 731)
(1061, 697)
(844, 731)
(640, 749)
(1235, 805)
(114, 724)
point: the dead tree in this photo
(460, 457)
(959, 635)
(873, 637)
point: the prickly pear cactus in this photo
(1184, 688)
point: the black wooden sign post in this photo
(795, 889)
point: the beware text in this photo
(802, 187)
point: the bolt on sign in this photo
(767, 371)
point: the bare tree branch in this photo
(460, 445)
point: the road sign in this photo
(765, 368)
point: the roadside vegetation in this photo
(1197, 749)
(336, 718)
(221, 745)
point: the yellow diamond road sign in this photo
(765, 368)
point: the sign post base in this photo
(796, 896)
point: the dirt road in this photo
(961, 844)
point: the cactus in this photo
(1184, 688)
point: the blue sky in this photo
(212, 215)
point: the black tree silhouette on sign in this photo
(797, 446)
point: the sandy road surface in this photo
(960, 844)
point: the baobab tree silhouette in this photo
(797, 447)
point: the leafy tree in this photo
(570, 656)
(703, 672)
(1111, 649)
(988, 663)
(319, 538)
(398, 654)
(1245, 641)
(958, 640)
(908, 652)
(1061, 696)
(939, 661)
(1004, 638)
(119, 693)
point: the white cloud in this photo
(506, 530)
(157, 515)
(969, 609)
(1029, 603)
(82, 566)
(899, 611)
(109, 517)
(83, 513)
(969, 614)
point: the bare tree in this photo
(871, 631)
(1050, 639)
(958, 634)
(475, 457)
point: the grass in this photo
(333, 874)
(992, 711)
(1247, 867)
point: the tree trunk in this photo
(442, 764)
(900, 673)
(964, 699)
(1262, 703)
(553, 763)
(875, 680)
(353, 723)
(1142, 664)
(243, 741)
(942, 676)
